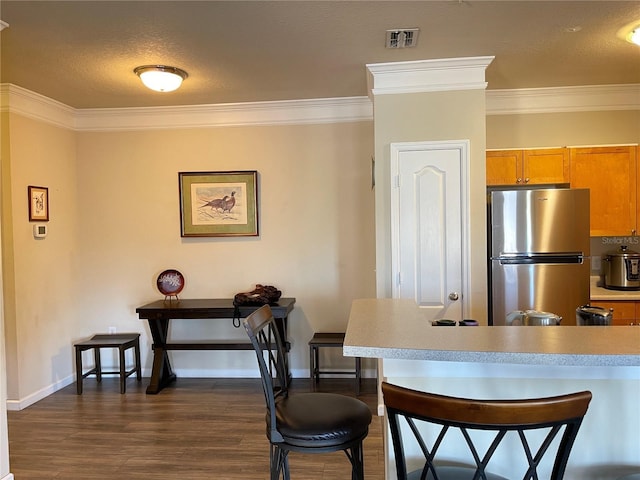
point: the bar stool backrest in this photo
(561, 415)
(272, 361)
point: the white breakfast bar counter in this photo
(514, 362)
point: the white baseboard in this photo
(16, 405)
(40, 394)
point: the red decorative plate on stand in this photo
(170, 283)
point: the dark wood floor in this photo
(195, 429)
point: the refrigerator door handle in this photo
(540, 259)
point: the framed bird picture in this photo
(218, 204)
(38, 203)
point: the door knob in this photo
(453, 296)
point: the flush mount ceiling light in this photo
(3, 25)
(630, 32)
(160, 77)
(634, 36)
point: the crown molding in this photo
(29, 104)
(289, 112)
(445, 74)
(564, 99)
(16, 99)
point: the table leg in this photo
(123, 376)
(161, 372)
(79, 373)
(136, 353)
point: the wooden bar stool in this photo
(121, 341)
(328, 340)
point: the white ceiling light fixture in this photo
(3, 25)
(161, 78)
(634, 36)
(630, 32)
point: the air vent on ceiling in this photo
(402, 37)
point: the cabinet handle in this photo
(519, 180)
(633, 232)
(526, 180)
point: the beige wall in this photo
(316, 230)
(563, 129)
(115, 225)
(40, 276)
(457, 115)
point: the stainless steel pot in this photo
(622, 270)
(533, 317)
(588, 315)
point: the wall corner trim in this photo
(19, 100)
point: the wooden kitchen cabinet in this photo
(521, 167)
(625, 312)
(611, 174)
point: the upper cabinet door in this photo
(611, 174)
(504, 167)
(547, 165)
(528, 167)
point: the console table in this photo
(160, 312)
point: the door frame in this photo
(463, 147)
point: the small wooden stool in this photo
(121, 341)
(328, 340)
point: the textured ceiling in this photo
(82, 53)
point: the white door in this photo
(430, 225)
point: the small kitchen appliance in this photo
(622, 270)
(533, 318)
(588, 315)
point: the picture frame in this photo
(38, 203)
(218, 204)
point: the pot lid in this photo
(588, 309)
(624, 251)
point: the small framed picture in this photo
(218, 204)
(38, 204)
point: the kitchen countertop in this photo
(398, 329)
(598, 292)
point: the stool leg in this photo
(79, 370)
(136, 350)
(311, 367)
(123, 374)
(96, 355)
(358, 374)
(316, 365)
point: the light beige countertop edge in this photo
(392, 328)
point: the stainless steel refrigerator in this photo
(538, 252)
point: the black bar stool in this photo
(328, 340)
(121, 341)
